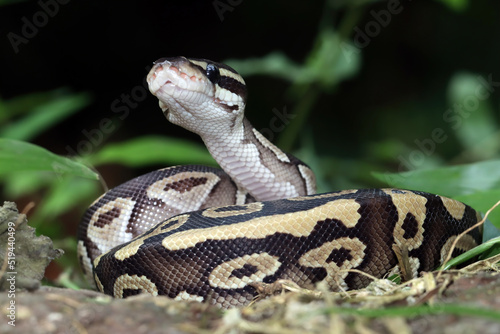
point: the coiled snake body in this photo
(198, 233)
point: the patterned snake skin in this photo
(198, 233)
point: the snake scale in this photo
(203, 234)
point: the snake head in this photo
(198, 94)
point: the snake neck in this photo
(258, 166)
(209, 99)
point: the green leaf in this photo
(9, 2)
(44, 116)
(485, 247)
(274, 64)
(23, 104)
(63, 195)
(16, 156)
(149, 150)
(456, 5)
(448, 181)
(477, 185)
(331, 61)
(478, 123)
(483, 201)
(22, 183)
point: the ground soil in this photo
(58, 310)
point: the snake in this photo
(211, 235)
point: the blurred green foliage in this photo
(68, 184)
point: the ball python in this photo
(203, 234)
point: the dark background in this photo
(397, 95)
(103, 47)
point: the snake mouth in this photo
(157, 79)
(167, 75)
(178, 84)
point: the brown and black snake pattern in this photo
(200, 256)
(134, 207)
(196, 233)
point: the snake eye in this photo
(213, 73)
